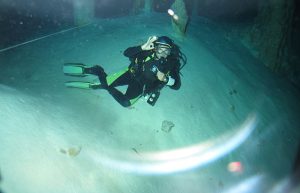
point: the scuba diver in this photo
(155, 64)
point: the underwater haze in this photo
(232, 127)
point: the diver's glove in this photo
(169, 81)
(149, 45)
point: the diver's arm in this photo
(167, 80)
(174, 80)
(170, 81)
(148, 46)
(132, 51)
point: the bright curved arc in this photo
(180, 159)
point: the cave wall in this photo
(23, 20)
(226, 10)
(273, 36)
(270, 27)
(271, 33)
(83, 12)
(138, 6)
(180, 19)
(148, 6)
(112, 8)
(162, 5)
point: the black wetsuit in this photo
(141, 75)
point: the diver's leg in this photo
(119, 96)
(133, 91)
(124, 79)
(98, 71)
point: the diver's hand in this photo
(161, 76)
(149, 44)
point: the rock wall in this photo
(270, 27)
(180, 22)
(83, 11)
(271, 36)
(271, 32)
(195, 6)
(137, 6)
(148, 6)
(226, 10)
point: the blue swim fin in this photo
(74, 69)
(83, 85)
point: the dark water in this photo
(23, 20)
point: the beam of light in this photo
(178, 160)
(43, 37)
(247, 186)
(175, 17)
(172, 14)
